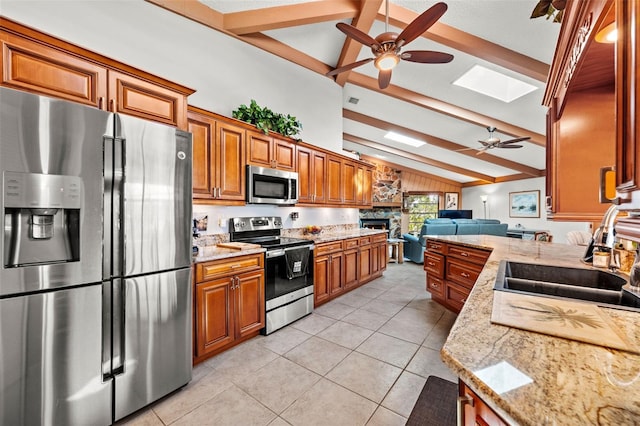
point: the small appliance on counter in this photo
(288, 269)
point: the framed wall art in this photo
(451, 201)
(524, 204)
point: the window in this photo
(421, 207)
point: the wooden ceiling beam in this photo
(412, 156)
(440, 143)
(510, 178)
(277, 17)
(445, 108)
(464, 42)
(351, 48)
(402, 168)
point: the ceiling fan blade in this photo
(485, 143)
(515, 140)
(482, 150)
(421, 24)
(348, 67)
(509, 146)
(465, 149)
(426, 57)
(357, 35)
(384, 78)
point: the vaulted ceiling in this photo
(421, 100)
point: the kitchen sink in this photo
(589, 285)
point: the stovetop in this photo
(264, 231)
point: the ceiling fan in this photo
(494, 142)
(386, 47)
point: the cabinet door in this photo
(259, 149)
(305, 174)
(349, 187)
(249, 295)
(230, 171)
(365, 263)
(133, 96)
(627, 98)
(319, 175)
(284, 155)
(321, 279)
(36, 68)
(334, 180)
(336, 266)
(214, 315)
(367, 187)
(351, 262)
(203, 130)
(383, 256)
(375, 259)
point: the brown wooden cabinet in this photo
(334, 180)
(475, 412)
(364, 188)
(270, 151)
(349, 183)
(341, 266)
(38, 63)
(312, 173)
(229, 303)
(628, 101)
(218, 159)
(452, 270)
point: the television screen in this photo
(455, 214)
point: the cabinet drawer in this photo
(434, 264)
(469, 254)
(327, 248)
(435, 286)
(349, 244)
(218, 268)
(365, 240)
(436, 246)
(461, 272)
(379, 238)
(456, 295)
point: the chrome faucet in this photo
(604, 236)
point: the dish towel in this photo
(297, 261)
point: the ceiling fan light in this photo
(608, 34)
(386, 61)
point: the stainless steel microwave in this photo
(270, 186)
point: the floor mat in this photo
(436, 405)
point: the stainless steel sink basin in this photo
(589, 285)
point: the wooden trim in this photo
(414, 157)
(472, 45)
(444, 108)
(440, 143)
(276, 17)
(510, 178)
(414, 171)
(87, 55)
(351, 48)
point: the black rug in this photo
(436, 405)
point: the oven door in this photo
(288, 271)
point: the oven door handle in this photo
(310, 247)
(280, 252)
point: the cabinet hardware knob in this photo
(112, 106)
(464, 253)
(100, 102)
(465, 275)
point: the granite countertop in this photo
(342, 235)
(539, 379)
(215, 252)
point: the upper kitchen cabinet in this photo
(581, 123)
(218, 159)
(312, 173)
(627, 103)
(270, 151)
(38, 63)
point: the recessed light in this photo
(494, 84)
(404, 139)
(353, 100)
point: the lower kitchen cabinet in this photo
(229, 303)
(452, 270)
(475, 412)
(341, 266)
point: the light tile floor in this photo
(361, 359)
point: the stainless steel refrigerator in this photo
(95, 284)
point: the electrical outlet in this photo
(220, 222)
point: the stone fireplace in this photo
(389, 216)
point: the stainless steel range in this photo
(288, 269)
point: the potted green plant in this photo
(265, 119)
(549, 8)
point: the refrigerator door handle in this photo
(107, 202)
(107, 333)
(112, 329)
(117, 252)
(118, 343)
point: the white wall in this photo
(224, 72)
(498, 207)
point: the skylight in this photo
(492, 83)
(404, 139)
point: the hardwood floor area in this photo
(361, 359)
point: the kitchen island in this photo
(535, 379)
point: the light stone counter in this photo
(325, 237)
(214, 252)
(562, 382)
